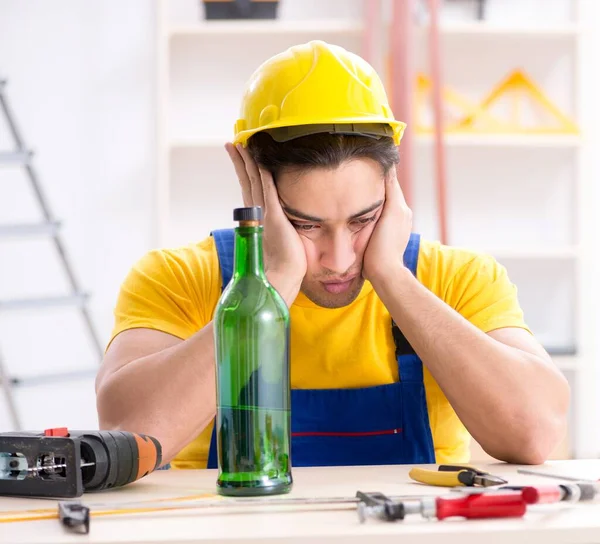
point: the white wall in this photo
(81, 83)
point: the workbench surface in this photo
(561, 522)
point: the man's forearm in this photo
(169, 394)
(511, 401)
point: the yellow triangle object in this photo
(515, 93)
(457, 108)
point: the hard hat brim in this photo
(282, 132)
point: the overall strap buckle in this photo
(403, 347)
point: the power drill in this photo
(62, 463)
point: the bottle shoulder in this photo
(252, 295)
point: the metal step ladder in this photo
(21, 156)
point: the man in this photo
(400, 347)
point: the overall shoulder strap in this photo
(409, 365)
(411, 253)
(224, 241)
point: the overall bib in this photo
(380, 425)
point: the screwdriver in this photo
(579, 490)
(572, 492)
(471, 506)
(544, 494)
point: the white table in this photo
(562, 522)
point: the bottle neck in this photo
(248, 260)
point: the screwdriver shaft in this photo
(554, 476)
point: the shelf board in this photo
(213, 27)
(355, 27)
(551, 141)
(199, 143)
(486, 29)
(452, 140)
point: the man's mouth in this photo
(338, 286)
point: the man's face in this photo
(334, 212)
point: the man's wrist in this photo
(392, 279)
(287, 289)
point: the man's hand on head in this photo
(285, 258)
(383, 258)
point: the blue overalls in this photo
(380, 425)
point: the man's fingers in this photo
(395, 203)
(254, 176)
(242, 175)
(393, 190)
(272, 203)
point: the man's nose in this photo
(338, 254)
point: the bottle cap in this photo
(253, 213)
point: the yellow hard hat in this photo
(315, 87)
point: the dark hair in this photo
(322, 150)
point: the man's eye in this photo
(304, 227)
(366, 220)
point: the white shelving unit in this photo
(522, 198)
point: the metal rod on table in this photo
(554, 476)
(202, 502)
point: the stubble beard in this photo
(313, 290)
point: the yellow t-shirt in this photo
(176, 291)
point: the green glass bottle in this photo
(252, 335)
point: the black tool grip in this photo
(392, 511)
(119, 458)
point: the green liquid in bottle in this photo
(252, 331)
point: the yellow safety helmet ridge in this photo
(315, 87)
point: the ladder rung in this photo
(561, 350)
(26, 230)
(43, 302)
(49, 378)
(14, 157)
